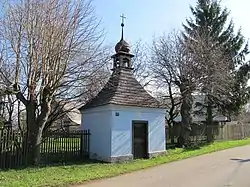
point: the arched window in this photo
(126, 62)
(116, 63)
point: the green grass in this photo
(75, 174)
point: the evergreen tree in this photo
(211, 18)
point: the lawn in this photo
(75, 174)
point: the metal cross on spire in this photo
(122, 24)
(123, 18)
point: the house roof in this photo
(72, 112)
(123, 89)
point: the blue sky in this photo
(146, 18)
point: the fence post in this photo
(24, 148)
(88, 139)
(82, 144)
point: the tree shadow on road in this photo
(240, 160)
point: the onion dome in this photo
(122, 46)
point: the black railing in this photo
(56, 147)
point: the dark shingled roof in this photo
(123, 89)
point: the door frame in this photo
(146, 140)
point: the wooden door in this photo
(140, 139)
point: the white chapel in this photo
(124, 120)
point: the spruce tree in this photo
(210, 17)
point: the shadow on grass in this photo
(57, 164)
(240, 160)
(195, 147)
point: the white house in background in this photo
(68, 116)
(247, 107)
(201, 117)
(124, 120)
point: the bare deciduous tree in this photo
(7, 98)
(52, 46)
(213, 75)
(140, 63)
(188, 67)
(173, 71)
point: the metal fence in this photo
(56, 147)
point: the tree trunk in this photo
(34, 134)
(171, 134)
(35, 138)
(186, 118)
(170, 130)
(35, 126)
(209, 124)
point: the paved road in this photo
(229, 168)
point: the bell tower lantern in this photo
(122, 58)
